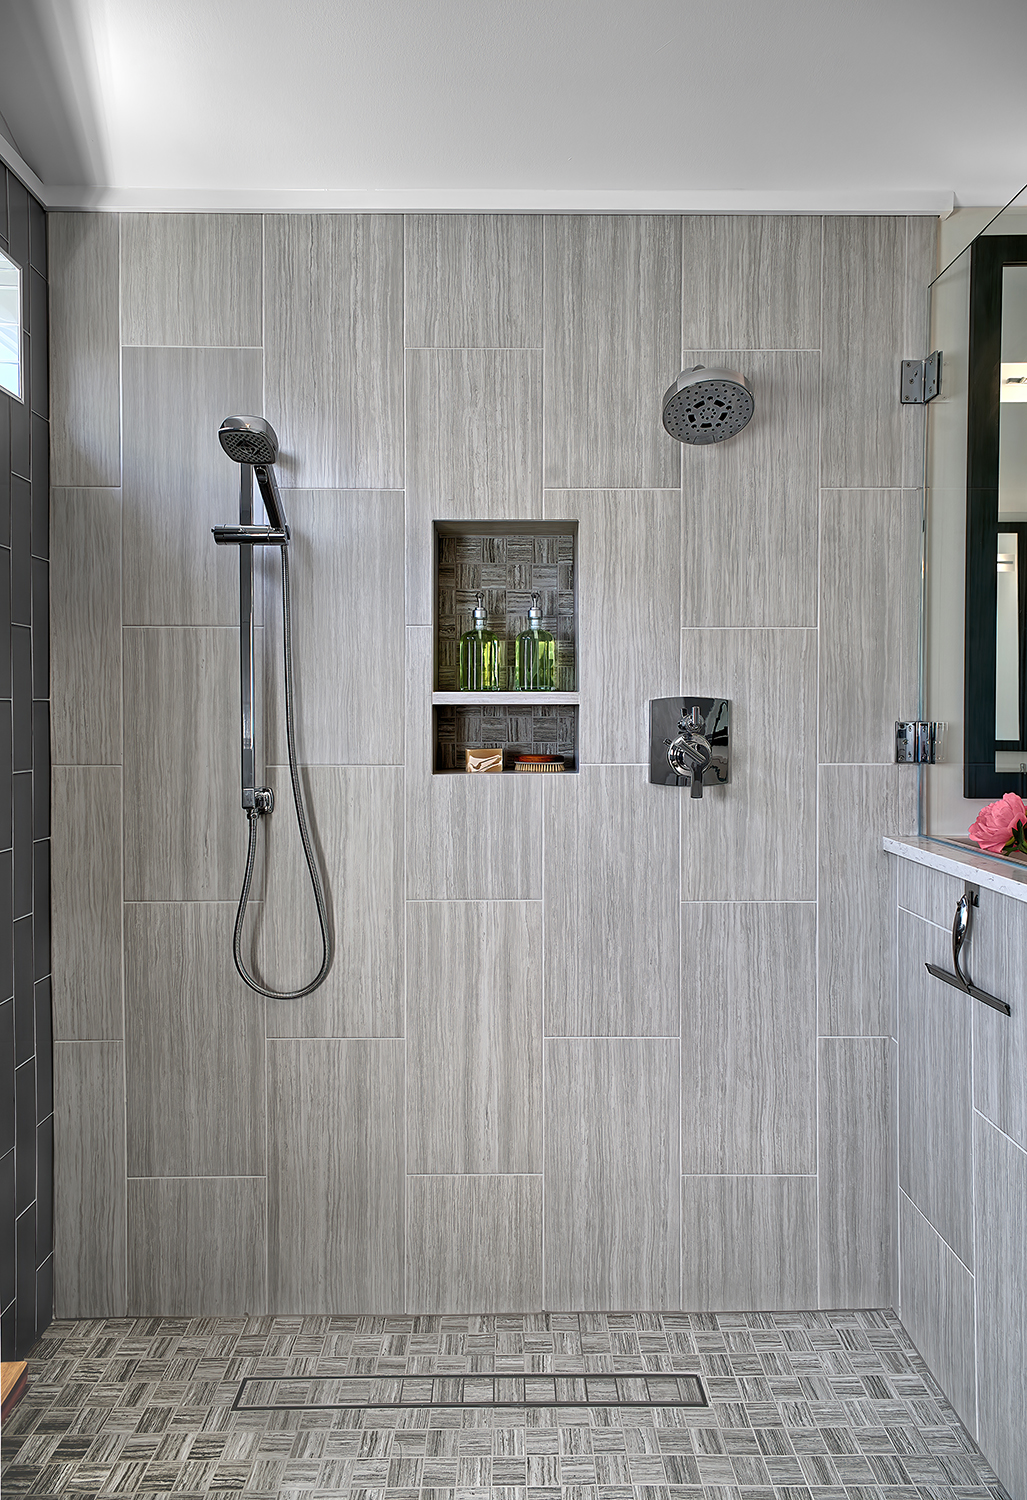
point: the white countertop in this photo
(959, 857)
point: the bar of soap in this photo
(484, 760)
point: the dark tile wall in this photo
(26, 1043)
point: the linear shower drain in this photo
(356, 1392)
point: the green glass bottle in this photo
(479, 654)
(535, 656)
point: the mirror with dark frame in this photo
(995, 752)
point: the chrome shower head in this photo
(707, 406)
(249, 440)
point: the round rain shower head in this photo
(707, 406)
(249, 440)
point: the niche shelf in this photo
(506, 561)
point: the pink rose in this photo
(993, 827)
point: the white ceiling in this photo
(867, 105)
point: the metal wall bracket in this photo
(917, 741)
(920, 380)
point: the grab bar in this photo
(960, 980)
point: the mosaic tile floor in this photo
(803, 1406)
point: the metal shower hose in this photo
(254, 815)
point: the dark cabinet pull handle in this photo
(960, 980)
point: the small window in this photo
(10, 326)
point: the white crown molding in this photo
(496, 200)
(21, 168)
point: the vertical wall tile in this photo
(748, 1242)
(611, 904)
(753, 561)
(732, 847)
(869, 591)
(87, 895)
(335, 1176)
(629, 613)
(194, 1046)
(612, 1192)
(85, 604)
(935, 1101)
(346, 579)
(84, 356)
(185, 835)
(179, 482)
(473, 450)
(89, 1180)
(473, 281)
(857, 1173)
(927, 893)
(1001, 1232)
(1000, 1042)
(196, 1248)
(333, 337)
(450, 1272)
(936, 1299)
(356, 820)
(468, 838)
(856, 807)
(612, 330)
(752, 281)
(474, 1036)
(868, 438)
(191, 279)
(748, 1038)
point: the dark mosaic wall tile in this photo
(6, 925)
(531, 731)
(44, 1047)
(507, 570)
(40, 487)
(40, 769)
(40, 392)
(7, 1230)
(25, 1293)
(26, 1039)
(40, 621)
(41, 908)
(5, 473)
(6, 773)
(21, 551)
(7, 1081)
(25, 1136)
(24, 998)
(22, 814)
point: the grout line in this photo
(934, 1230)
(999, 1131)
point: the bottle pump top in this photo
(534, 614)
(480, 616)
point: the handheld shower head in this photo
(707, 406)
(251, 440)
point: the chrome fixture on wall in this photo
(689, 742)
(707, 406)
(252, 443)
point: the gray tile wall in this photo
(573, 1045)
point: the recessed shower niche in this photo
(506, 562)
